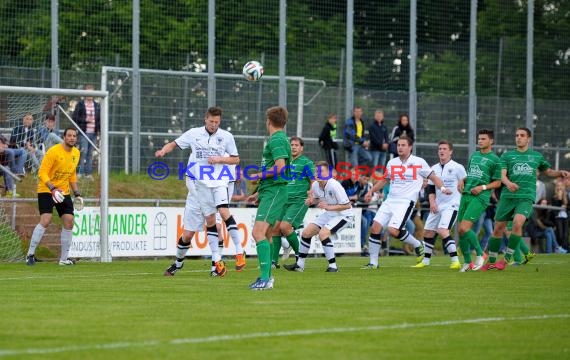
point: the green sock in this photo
(275, 248)
(474, 242)
(294, 242)
(465, 248)
(524, 248)
(520, 252)
(512, 246)
(494, 246)
(264, 258)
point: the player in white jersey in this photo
(406, 174)
(208, 167)
(232, 229)
(330, 196)
(443, 208)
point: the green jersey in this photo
(277, 147)
(521, 169)
(302, 173)
(482, 169)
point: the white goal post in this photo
(8, 92)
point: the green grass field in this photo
(129, 310)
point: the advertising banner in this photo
(154, 231)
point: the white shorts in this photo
(332, 221)
(394, 213)
(210, 198)
(443, 219)
(194, 216)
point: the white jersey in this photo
(406, 178)
(450, 173)
(333, 194)
(203, 146)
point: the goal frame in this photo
(105, 251)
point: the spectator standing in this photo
(379, 140)
(354, 139)
(87, 115)
(326, 140)
(561, 217)
(403, 128)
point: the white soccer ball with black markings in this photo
(252, 70)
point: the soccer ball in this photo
(252, 70)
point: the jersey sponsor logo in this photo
(522, 169)
(475, 171)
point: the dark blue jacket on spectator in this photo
(378, 134)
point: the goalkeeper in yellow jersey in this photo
(56, 179)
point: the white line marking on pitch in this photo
(209, 339)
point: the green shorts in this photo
(295, 211)
(470, 208)
(271, 200)
(508, 208)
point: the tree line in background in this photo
(173, 35)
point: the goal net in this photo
(32, 120)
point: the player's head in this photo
(485, 139)
(444, 151)
(276, 117)
(323, 171)
(522, 137)
(70, 136)
(404, 146)
(296, 145)
(213, 119)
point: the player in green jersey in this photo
(302, 175)
(518, 174)
(271, 192)
(483, 175)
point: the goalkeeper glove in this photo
(57, 195)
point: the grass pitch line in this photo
(221, 338)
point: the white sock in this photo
(328, 248)
(37, 235)
(231, 226)
(451, 249)
(66, 236)
(410, 239)
(304, 246)
(213, 242)
(284, 243)
(374, 246)
(181, 251)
